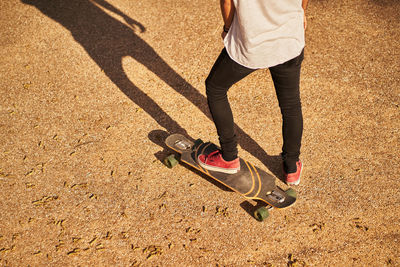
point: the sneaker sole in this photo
(217, 169)
(294, 183)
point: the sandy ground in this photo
(90, 89)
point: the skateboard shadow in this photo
(250, 208)
(107, 41)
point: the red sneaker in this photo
(215, 162)
(294, 178)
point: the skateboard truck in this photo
(276, 196)
(182, 145)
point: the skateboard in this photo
(250, 182)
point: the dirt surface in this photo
(90, 89)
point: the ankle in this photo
(290, 166)
(229, 158)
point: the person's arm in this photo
(304, 4)
(228, 11)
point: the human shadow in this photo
(107, 41)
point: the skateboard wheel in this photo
(171, 161)
(261, 214)
(290, 192)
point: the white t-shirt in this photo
(265, 33)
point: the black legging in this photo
(286, 78)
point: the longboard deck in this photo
(251, 182)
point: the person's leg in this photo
(223, 75)
(286, 78)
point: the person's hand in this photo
(134, 24)
(305, 22)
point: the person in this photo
(259, 34)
